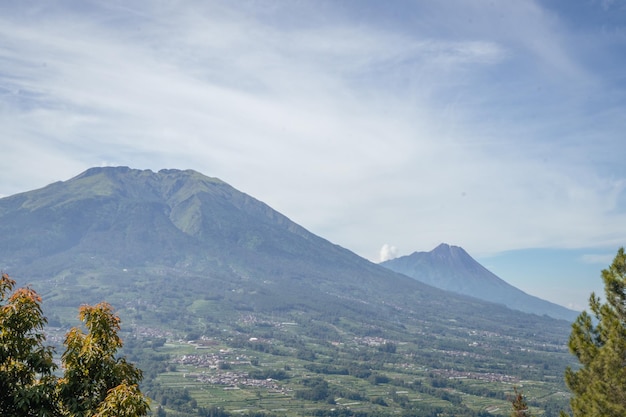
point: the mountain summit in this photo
(133, 217)
(451, 268)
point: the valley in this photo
(230, 308)
(265, 366)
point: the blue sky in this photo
(385, 127)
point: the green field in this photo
(232, 371)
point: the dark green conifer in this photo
(598, 340)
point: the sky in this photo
(384, 127)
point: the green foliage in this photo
(123, 400)
(94, 377)
(26, 379)
(317, 390)
(95, 382)
(599, 344)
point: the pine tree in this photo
(598, 340)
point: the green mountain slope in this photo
(111, 227)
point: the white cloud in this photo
(443, 130)
(388, 252)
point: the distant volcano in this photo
(451, 268)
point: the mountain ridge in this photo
(117, 227)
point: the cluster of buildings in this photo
(234, 380)
(219, 371)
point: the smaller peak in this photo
(442, 247)
(445, 246)
(448, 250)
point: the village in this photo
(219, 370)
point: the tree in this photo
(94, 379)
(599, 344)
(95, 382)
(520, 407)
(27, 382)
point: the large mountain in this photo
(451, 268)
(188, 246)
(112, 227)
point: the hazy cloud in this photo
(388, 252)
(491, 125)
